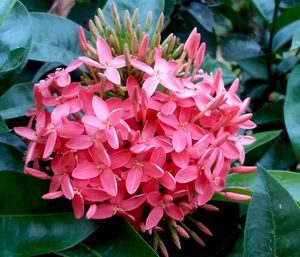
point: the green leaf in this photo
(262, 138)
(255, 67)
(38, 5)
(11, 64)
(288, 16)
(238, 248)
(30, 225)
(16, 101)
(211, 65)
(15, 40)
(202, 14)
(155, 6)
(273, 221)
(287, 63)
(3, 126)
(13, 140)
(296, 40)
(238, 46)
(292, 109)
(289, 180)
(288, 3)
(11, 158)
(266, 8)
(57, 43)
(270, 113)
(284, 35)
(5, 8)
(113, 238)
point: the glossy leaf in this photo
(287, 64)
(155, 6)
(15, 39)
(202, 14)
(296, 40)
(266, 8)
(10, 158)
(273, 222)
(284, 35)
(5, 8)
(289, 180)
(270, 113)
(292, 109)
(16, 101)
(238, 46)
(30, 225)
(13, 140)
(288, 16)
(3, 126)
(255, 67)
(58, 43)
(116, 239)
(11, 64)
(262, 138)
(211, 65)
(15, 31)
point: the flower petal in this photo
(179, 140)
(133, 180)
(187, 174)
(154, 217)
(109, 182)
(174, 212)
(86, 170)
(103, 51)
(112, 74)
(133, 202)
(150, 84)
(78, 206)
(66, 187)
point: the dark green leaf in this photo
(10, 158)
(287, 64)
(28, 224)
(3, 126)
(237, 47)
(57, 43)
(155, 6)
(288, 3)
(15, 39)
(5, 8)
(38, 5)
(202, 14)
(255, 67)
(15, 31)
(266, 8)
(262, 138)
(85, 10)
(288, 16)
(289, 180)
(292, 109)
(12, 140)
(279, 156)
(11, 64)
(296, 40)
(16, 101)
(273, 220)
(211, 65)
(270, 113)
(284, 35)
(120, 241)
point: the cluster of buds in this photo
(145, 134)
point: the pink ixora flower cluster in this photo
(144, 141)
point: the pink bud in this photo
(82, 39)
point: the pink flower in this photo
(105, 120)
(159, 74)
(106, 61)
